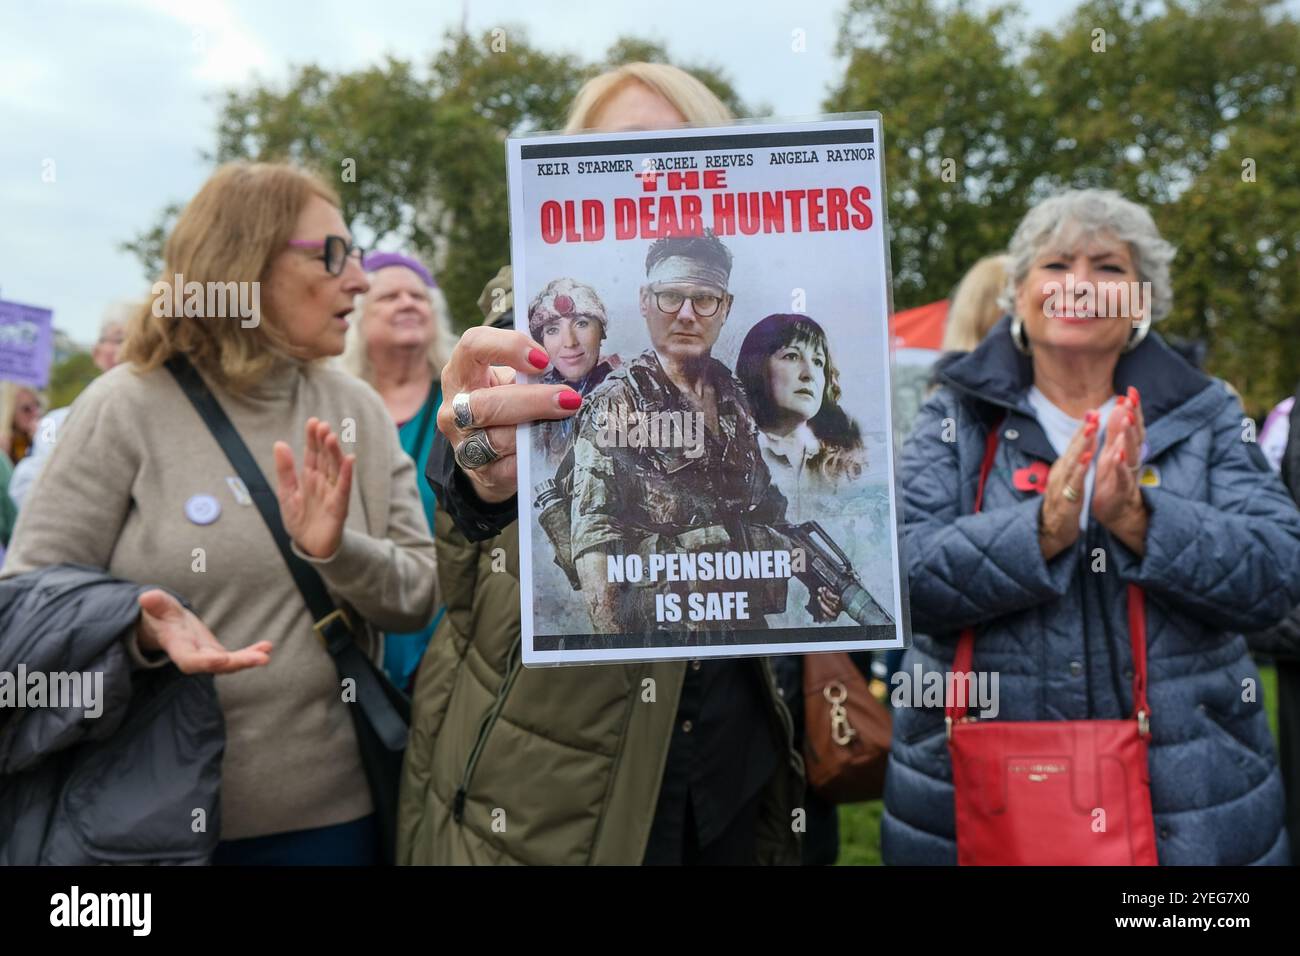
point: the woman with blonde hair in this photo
(398, 340)
(138, 486)
(584, 770)
(637, 95)
(975, 309)
(20, 412)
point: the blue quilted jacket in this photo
(1222, 557)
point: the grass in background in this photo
(860, 822)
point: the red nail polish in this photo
(1121, 454)
(570, 400)
(1133, 396)
(538, 358)
(1093, 417)
(1120, 401)
(1090, 429)
(1085, 458)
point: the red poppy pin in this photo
(1033, 478)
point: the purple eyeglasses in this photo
(337, 249)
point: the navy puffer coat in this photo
(1222, 557)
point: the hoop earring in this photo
(1139, 333)
(1018, 337)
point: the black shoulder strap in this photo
(331, 622)
(214, 416)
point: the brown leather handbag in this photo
(846, 731)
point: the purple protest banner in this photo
(26, 343)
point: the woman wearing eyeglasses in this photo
(138, 486)
(584, 770)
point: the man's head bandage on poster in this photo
(701, 259)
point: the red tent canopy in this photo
(920, 328)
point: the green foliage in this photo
(1162, 102)
(68, 378)
(428, 146)
(949, 89)
(981, 120)
(631, 50)
(860, 833)
(147, 246)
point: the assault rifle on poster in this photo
(825, 565)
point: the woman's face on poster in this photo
(573, 343)
(796, 379)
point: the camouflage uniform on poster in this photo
(714, 495)
(556, 436)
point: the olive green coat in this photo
(558, 765)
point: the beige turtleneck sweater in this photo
(113, 495)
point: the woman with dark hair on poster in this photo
(809, 442)
(811, 446)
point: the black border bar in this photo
(717, 141)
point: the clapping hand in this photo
(1116, 499)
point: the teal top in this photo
(8, 510)
(402, 652)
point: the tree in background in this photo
(1192, 109)
(418, 156)
(1166, 103)
(68, 377)
(964, 136)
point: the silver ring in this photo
(476, 451)
(1070, 493)
(460, 409)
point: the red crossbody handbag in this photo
(1052, 792)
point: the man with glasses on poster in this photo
(667, 460)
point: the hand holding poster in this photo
(720, 298)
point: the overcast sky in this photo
(115, 100)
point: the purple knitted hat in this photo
(382, 260)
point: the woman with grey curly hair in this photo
(1085, 522)
(398, 340)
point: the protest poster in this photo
(26, 344)
(720, 297)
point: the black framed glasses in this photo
(704, 305)
(336, 251)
